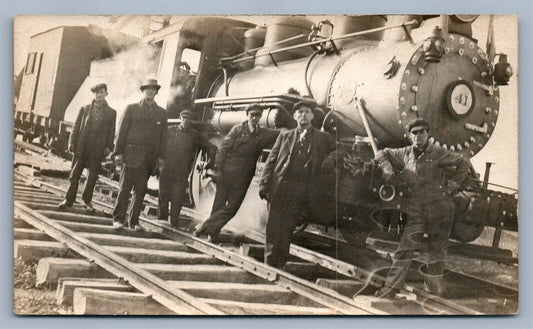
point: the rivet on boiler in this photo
(414, 108)
(421, 70)
(414, 89)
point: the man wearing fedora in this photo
(141, 147)
(293, 180)
(433, 175)
(90, 141)
(234, 169)
(183, 142)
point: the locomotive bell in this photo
(502, 71)
(434, 46)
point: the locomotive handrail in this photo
(250, 51)
(317, 42)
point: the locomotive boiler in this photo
(369, 76)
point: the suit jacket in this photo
(277, 164)
(241, 152)
(104, 130)
(142, 135)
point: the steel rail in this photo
(376, 280)
(333, 264)
(285, 279)
(321, 295)
(174, 299)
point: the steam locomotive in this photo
(369, 76)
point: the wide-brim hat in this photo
(150, 83)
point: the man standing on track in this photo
(424, 167)
(291, 180)
(90, 141)
(183, 141)
(234, 169)
(141, 147)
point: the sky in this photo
(502, 149)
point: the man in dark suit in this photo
(90, 141)
(234, 169)
(183, 142)
(292, 180)
(141, 146)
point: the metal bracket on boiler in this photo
(482, 130)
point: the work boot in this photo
(213, 239)
(434, 286)
(88, 206)
(64, 205)
(139, 228)
(432, 282)
(198, 231)
(118, 225)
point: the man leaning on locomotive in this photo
(431, 209)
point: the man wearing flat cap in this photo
(183, 142)
(90, 141)
(292, 180)
(234, 169)
(141, 146)
(433, 174)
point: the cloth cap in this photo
(418, 122)
(186, 113)
(254, 107)
(306, 103)
(150, 83)
(98, 87)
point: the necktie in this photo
(302, 135)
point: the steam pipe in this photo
(330, 39)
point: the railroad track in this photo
(161, 271)
(133, 267)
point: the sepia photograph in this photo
(279, 165)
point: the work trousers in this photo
(136, 178)
(172, 189)
(85, 158)
(286, 209)
(230, 193)
(434, 218)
